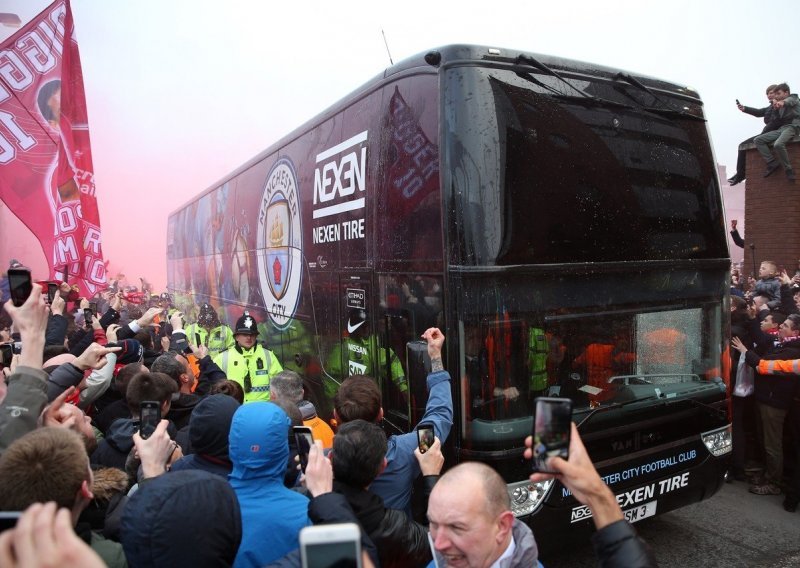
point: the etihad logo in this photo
(339, 181)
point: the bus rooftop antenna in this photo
(386, 43)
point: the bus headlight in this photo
(719, 442)
(526, 497)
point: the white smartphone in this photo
(331, 546)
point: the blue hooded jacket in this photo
(272, 515)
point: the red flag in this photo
(46, 172)
(416, 159)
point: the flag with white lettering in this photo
(46, 172)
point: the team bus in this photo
(560, 221)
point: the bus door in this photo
(365, 347)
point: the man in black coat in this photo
(359, 455)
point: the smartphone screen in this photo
(6, 353)
(52, 288)
(551, 430)
(425, 436)
(93, 307)
(149, 417)
(19, 283)
(8, 519)
(304, 439)
(331, 546)
(87, 316)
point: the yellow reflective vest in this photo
(252, 368)
(217, 340)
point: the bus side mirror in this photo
(418, 366)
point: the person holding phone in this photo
(771, 122)
(616, 542)
(360, 398)
(359, 456)
(27, 386)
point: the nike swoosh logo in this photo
(351, 329)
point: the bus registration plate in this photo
(641, 512)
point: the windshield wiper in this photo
(665, 400)
(674, 113)
(584, 98)
(715, 412)
(665, 109)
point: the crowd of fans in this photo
(217, 481)
(765, 331)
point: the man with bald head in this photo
(471, 522)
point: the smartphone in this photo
(304, 439)
(6, 353)
(425, 436)
(87, 316)
(331, 546)
(552, 420)
(52, 288)
(19, 283)
(737, 102)
(149, 417)
(93, 307)
(8, 519)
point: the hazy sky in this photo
(181, 92)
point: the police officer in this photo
(249, 363)
(210, 332)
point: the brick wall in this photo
(772, 211)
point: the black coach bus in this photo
(560, 221)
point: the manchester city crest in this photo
(279, 254)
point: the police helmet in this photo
(207, 316)
(246, 324)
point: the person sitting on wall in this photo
(771, 122)
(788, 107)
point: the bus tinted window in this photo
(542, 179)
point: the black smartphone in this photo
(19, 283)
(8, 519)
(93, 307)
(149, 417)
(425, 436)
(6, 353)
(304, 439)
(87, 316)
(737, 102)
(52, 288)
(552, 420)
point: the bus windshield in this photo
(585, 245)
(538, 178)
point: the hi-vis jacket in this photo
(364, 357)
(217, 340)
(538, 350)
(252, 368)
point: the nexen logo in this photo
(339, 179)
